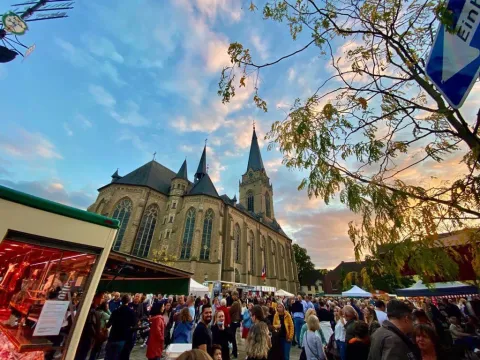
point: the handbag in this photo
(303, 354)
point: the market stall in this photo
(198, 289)
(51, 260)
(438, 289)
(283, 293)
(355, 291)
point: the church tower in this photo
(256, 192)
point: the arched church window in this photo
(207, 235)
(122, 213)
(188, 234)
(268, 209)
(145, 232)
(250, 199)
(264, 252)
(252, 253)
(100, 207)
(236, 237)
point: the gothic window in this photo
(174, 205)
(207, 235)
(268, 209)
(264, 252)
(236, 238)
(122, 213)
(100, 207)
(145, 232)
(252, 253)
(250, 199)
(188, 234)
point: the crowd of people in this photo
(322, 328)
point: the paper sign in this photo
(51, 318)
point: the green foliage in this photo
(303, 261)
(376, 118)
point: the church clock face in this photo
(14, 24)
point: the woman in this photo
(359, 347)
(220, 334)
(340, 332)
(103, 314)
(167, 310)
(195, 354)
(157, 332)
(247, 321)
(182, 334)
(371, 320)
(283, 323)
(304, 328)
(311, 341)
(258, 342)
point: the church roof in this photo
(204, 187)
(255, 158)
(152, 174)
(182, 173)
(202, 165)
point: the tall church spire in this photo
(255, 159)
(202, 165)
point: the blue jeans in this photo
(113, 350)
(341, 349)
(298, 322)
(286, 348)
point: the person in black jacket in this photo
(122, 321)
(359, 347)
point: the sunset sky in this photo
(117, 81)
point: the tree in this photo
(303, 261)
(375, 118)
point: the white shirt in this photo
(340, 331)
(381, 316)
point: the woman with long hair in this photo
(340, 332)
(182, 334)
(283, 324)
(258, 342)
(220, 334)
(156, 336)
(371, 319)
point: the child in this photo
(217, 352)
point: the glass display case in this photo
(34, 273)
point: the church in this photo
(186, 224)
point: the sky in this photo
(118, 81)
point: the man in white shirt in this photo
(380, 311)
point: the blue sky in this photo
(117, 81)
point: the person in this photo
(298, 313)
(340, 332)
(257, 314)
(180, 305)
(282, 322)
(326, 319)
(246, 321)
(235, 318)
(157, 332)
(452, 309)
(350, 316)
(217, 352)
(220, 334)
(167, 310)
(380, 311)
(258, 342)
(359, 347)
(357, 309)
(371, 320)
(182, 334)
(304, 329)
(202, 336)
(194, 354)
(223, 307)
(103, 314)
(460, 337)
(122, 321)
(311, 342)
(391, 340)
(115, 302)
(191, 306)
(90, 330)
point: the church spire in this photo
(115, 176)
(202, 165)
(182, 173)
(255, 159)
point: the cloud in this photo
(24, 144)
(260, 45)
(131, 115)
(217, 57)
(291, 74)
(102, 96)
(67, 129)
(102, 47)
(52, 190)
(226, 8)
(83, 121)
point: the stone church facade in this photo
(215, 237)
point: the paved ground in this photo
(138, 353)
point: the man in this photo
(380, 311)
(115, 303)
(350, 317)
(235, 318)
(298, 318)
(191, 306)
(176, 312)
(229, 299)
(391, 340)
(357, 309)
(202, 336)
(309, 304)
(122, 321)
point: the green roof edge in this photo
(56, 208)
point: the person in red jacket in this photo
(223, 307)
(157, 332)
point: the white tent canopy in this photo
(282, 292)
(197, 288)
(355, 291)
